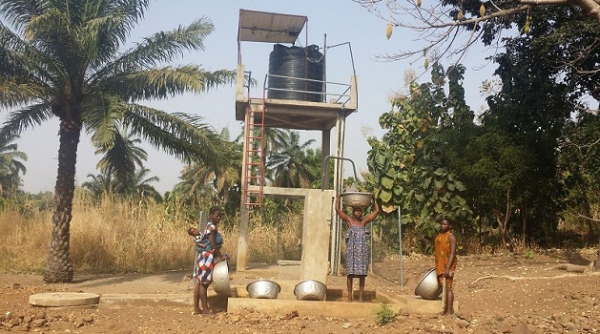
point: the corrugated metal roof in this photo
(269, 27)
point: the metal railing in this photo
(345, 96)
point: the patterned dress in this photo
(206, 260)
(357, 251)
(442, 255)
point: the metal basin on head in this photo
(357, 199)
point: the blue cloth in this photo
(357, 251)
(204, 244)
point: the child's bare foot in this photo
(208, 313)
(197, 311)
(349, 298)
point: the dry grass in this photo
(122, 236)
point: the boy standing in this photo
(445, 262)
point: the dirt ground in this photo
(527, 295)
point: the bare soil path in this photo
(544, 301)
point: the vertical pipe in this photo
(334, 217)
(340, 172)
(400, 246)
(324, 64)
(371, 259)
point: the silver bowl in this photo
(429, 287)
(357, 199)
(310, 290)
(263, 289)
(220, 278)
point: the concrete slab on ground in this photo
(64, 299)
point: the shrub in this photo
(384, 314)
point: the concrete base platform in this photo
(307, 308)
(335, 304)
(65, 299)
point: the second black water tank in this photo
(295, 64)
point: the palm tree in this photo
(274, 140)
(120, 160)
(140, 188)
(62, 59)
(222, 179)
(291, 167)
(10, 166)
(98, 185)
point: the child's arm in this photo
(339, 211)
(452, 256)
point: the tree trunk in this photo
(59, 268)
(524, 226)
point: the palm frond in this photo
(164, 82)
(24, 118)
(159, 48)
(20, 12)
(179, 134)
(101, 116)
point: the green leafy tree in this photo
(569, 31)
(579, 159)
(407, 163)
(63, 59)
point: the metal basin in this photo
(263, 289)
(220, 278)
(310, 290)
(357, 199)
(429, 287)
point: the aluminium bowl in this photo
(220, 278)
(357, 199)
(310, 290)
(263, 289)
(429, 287)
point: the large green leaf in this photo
(386, 182)
(385, 195)
(427, 182)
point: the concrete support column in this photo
(325, 152)
(242, 251)
(315, 235)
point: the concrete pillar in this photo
(315, 235)
(242, 251)
(325, 151)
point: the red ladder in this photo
(254, 169)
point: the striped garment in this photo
(204, 267)
(206, 260)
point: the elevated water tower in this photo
(294, 94)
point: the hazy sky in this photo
(342, 21)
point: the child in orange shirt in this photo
(445, 261)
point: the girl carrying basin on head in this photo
(357, 248)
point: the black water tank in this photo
(296, 64)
